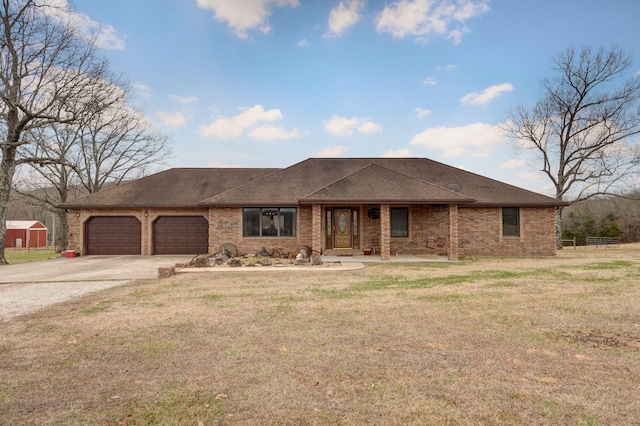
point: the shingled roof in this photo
(175, 188)
(316, 180)
(375, 180)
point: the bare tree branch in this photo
(583, 132)
(48, 74)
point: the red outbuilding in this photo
(25, 234)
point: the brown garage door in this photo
(180, 235)
(112, 235)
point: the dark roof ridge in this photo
(375, 164)
(338, 179)
(424, 181)
(244, 184)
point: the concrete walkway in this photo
(393, 259)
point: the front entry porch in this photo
(346, 231)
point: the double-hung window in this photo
(269, 222)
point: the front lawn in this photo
(504, 341)
(14, 256)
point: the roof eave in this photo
(306, 201)
(512, 204)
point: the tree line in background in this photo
(582, 133)
(67, 125)
(606, 217)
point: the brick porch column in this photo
(316, 229)
(76, 234)
(385, 231)
(453, 232)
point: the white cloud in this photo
(245, 15)
(343, 16)
(446, 67)
(245, 121)
(219, 164)
(185, 100)
(479, 139)
(399, 153)
(457, 34)
(331, 151)
(303, 43)
(105, 36)
(425, 18)
(430, 81)
(177, 119)
(487, 95)
(343, 126)
(142, 89)
(422, 113)
(513, 164)
(369, 127)
(270, 133)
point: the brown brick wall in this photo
(428, 231)
(479, 230)
(225, 226)
(480, 233)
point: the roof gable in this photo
(375, 182)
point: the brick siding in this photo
(480, 233)
(225, 226)
(478, 230)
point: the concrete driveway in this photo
(88, 268)
(30, 286)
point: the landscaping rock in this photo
(228, 249)
(264, 253)
(200, 261)
(304, 253)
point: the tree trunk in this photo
(63, 241)
(7, 170)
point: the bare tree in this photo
(107, 147)
(48, 74)
(116, 144)
(583, 130)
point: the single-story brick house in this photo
(332, 205)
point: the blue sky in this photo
(268, 83)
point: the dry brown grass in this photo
(486, 341)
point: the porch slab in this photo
(376, 259)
